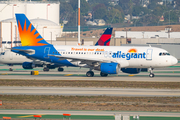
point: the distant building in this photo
(167, 1)
(91, 23)
(160, 3)
(127, 18)
(43, 15)
(114, 2)
(99, 22)
(162, 18)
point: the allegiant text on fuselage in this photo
(129, 56)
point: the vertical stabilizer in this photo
(105, 38)
(28, 34)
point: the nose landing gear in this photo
(151, 75)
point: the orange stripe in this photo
(6, 118)
(78, 16)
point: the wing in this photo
(89, 61)
(93, 62)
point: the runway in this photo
(159, 77)
(171, 74)
(90, 91)
(104, 113)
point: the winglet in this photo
(28, 34)
(105, 38)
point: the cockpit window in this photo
(163, 54)
(3, 53)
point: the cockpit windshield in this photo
(163, 54)
(3, 53)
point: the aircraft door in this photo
(46, 52)
(149, 54)
(106, 53)
(11, 55)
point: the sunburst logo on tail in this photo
(29, 36)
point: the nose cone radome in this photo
(174, 61)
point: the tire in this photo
(90, 74)
(103, 74)
(60, 69)
(151, 75)
(45, 69)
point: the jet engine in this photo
(131, 70)
(28, 65)
(110, 68)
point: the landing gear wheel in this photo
(10, 69)
(45, 69)
(60, 69)
(151, 75)
(103, 74)
(90, 74)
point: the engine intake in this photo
(110, 68)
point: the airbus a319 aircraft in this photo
(106, 59)
(11, 58)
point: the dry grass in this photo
(91, 103)
(79, 83)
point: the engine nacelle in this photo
(131, 70)
(51, 66)
(28, 65)
(110, 68)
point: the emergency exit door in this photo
(149, 54)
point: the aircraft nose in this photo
(174, 61)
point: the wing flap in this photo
(76, 58)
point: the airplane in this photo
(106, 59)
(11, 58)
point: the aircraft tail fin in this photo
(28, 34)
(105, 38)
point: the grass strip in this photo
(88, 83)
(112, 103)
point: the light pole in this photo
(51, 37)
(43, 30)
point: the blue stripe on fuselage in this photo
(40, 54)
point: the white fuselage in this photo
(126, 56)
(12, 58)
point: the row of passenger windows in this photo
(98, 53)
(163, 54)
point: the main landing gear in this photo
(10, 69)
(90, 74)
(45, 69)
(60, 69)
(103, 74)
(151, 75)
